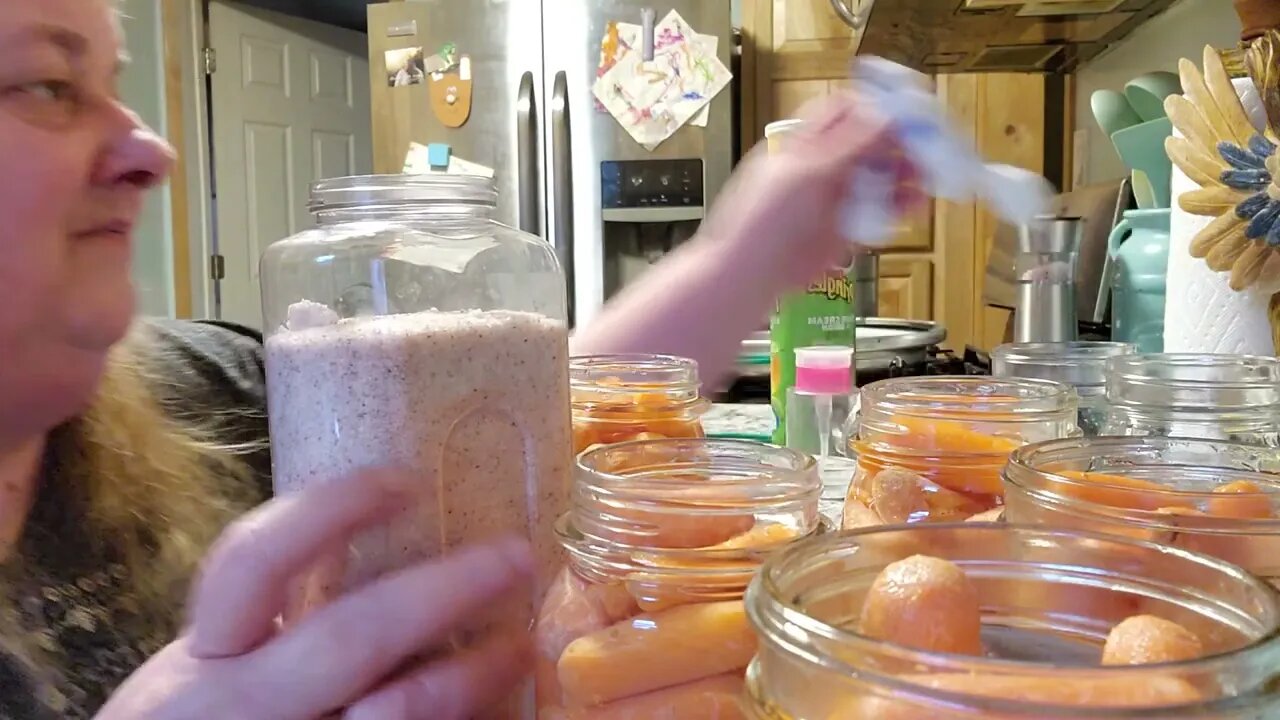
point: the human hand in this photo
(781, 210)
(233, 660)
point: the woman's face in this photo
(74, 165)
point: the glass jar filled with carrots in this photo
(1215, 497)
(932, 448)
(984, 621)
(663, 537)
(616, 398)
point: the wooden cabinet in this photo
(798, 50)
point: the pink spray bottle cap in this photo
(826, 369)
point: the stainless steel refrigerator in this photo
(564, 168)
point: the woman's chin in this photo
(96, 328)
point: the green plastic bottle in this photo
(821, 315)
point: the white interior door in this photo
(289, 105)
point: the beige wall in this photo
(1182, 31)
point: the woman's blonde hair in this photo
(161, 489)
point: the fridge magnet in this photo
(653, 100)
(450, 92)
(1236, 166)
(405, 66)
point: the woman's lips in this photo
(115, 230)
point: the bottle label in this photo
(821, 315)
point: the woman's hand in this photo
(781, 210)
(233, 661)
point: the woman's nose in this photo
(136, 155)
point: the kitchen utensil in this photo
(1146, 93)
(1143, 194)
(1045, 273)
(1141, 147)
(1112, 111)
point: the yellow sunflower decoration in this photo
(1236, 167)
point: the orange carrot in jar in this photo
(568, 612)
(1118, 491)
(1147, 639)
(925, 603)
(656, 650)
(1241, 499)
(714, 698)
(1048, 689)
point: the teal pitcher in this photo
(1139, 250)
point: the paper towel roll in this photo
(1201, 313)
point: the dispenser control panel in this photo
(651, 184)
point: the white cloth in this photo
(949, 168)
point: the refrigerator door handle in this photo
(562, 182)
(527, 157)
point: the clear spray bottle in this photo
(817, 411)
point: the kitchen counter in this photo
(739, 420)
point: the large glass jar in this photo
(932, 448)
(634, 397)
(1223, 397)
(1046, 601)
(410, 329)
(647, 620)
(1215, 497)
(1080, 364)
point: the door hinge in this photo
(217, 267)
(210, 61)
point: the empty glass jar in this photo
(1048, 600)
(1223, 397)
(1080, 364)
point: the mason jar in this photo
(634, 397)
(1223, 397)
(1049, 598)
(1080, 364)
(408, 328)
(646, 620)
(1209, 496)
(932, 448)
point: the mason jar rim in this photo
(1129, 373)
(798, 466)
(1022, 473)
(1029, 399)
(673, 376)
(601, 498)
(1082, 362)
(365, 191)
(779, 620)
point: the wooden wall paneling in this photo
(955, 227)
(1011, 121)
(172, 22)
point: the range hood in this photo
(951, 36)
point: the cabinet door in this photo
(906, 287)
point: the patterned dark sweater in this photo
(69, 595)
